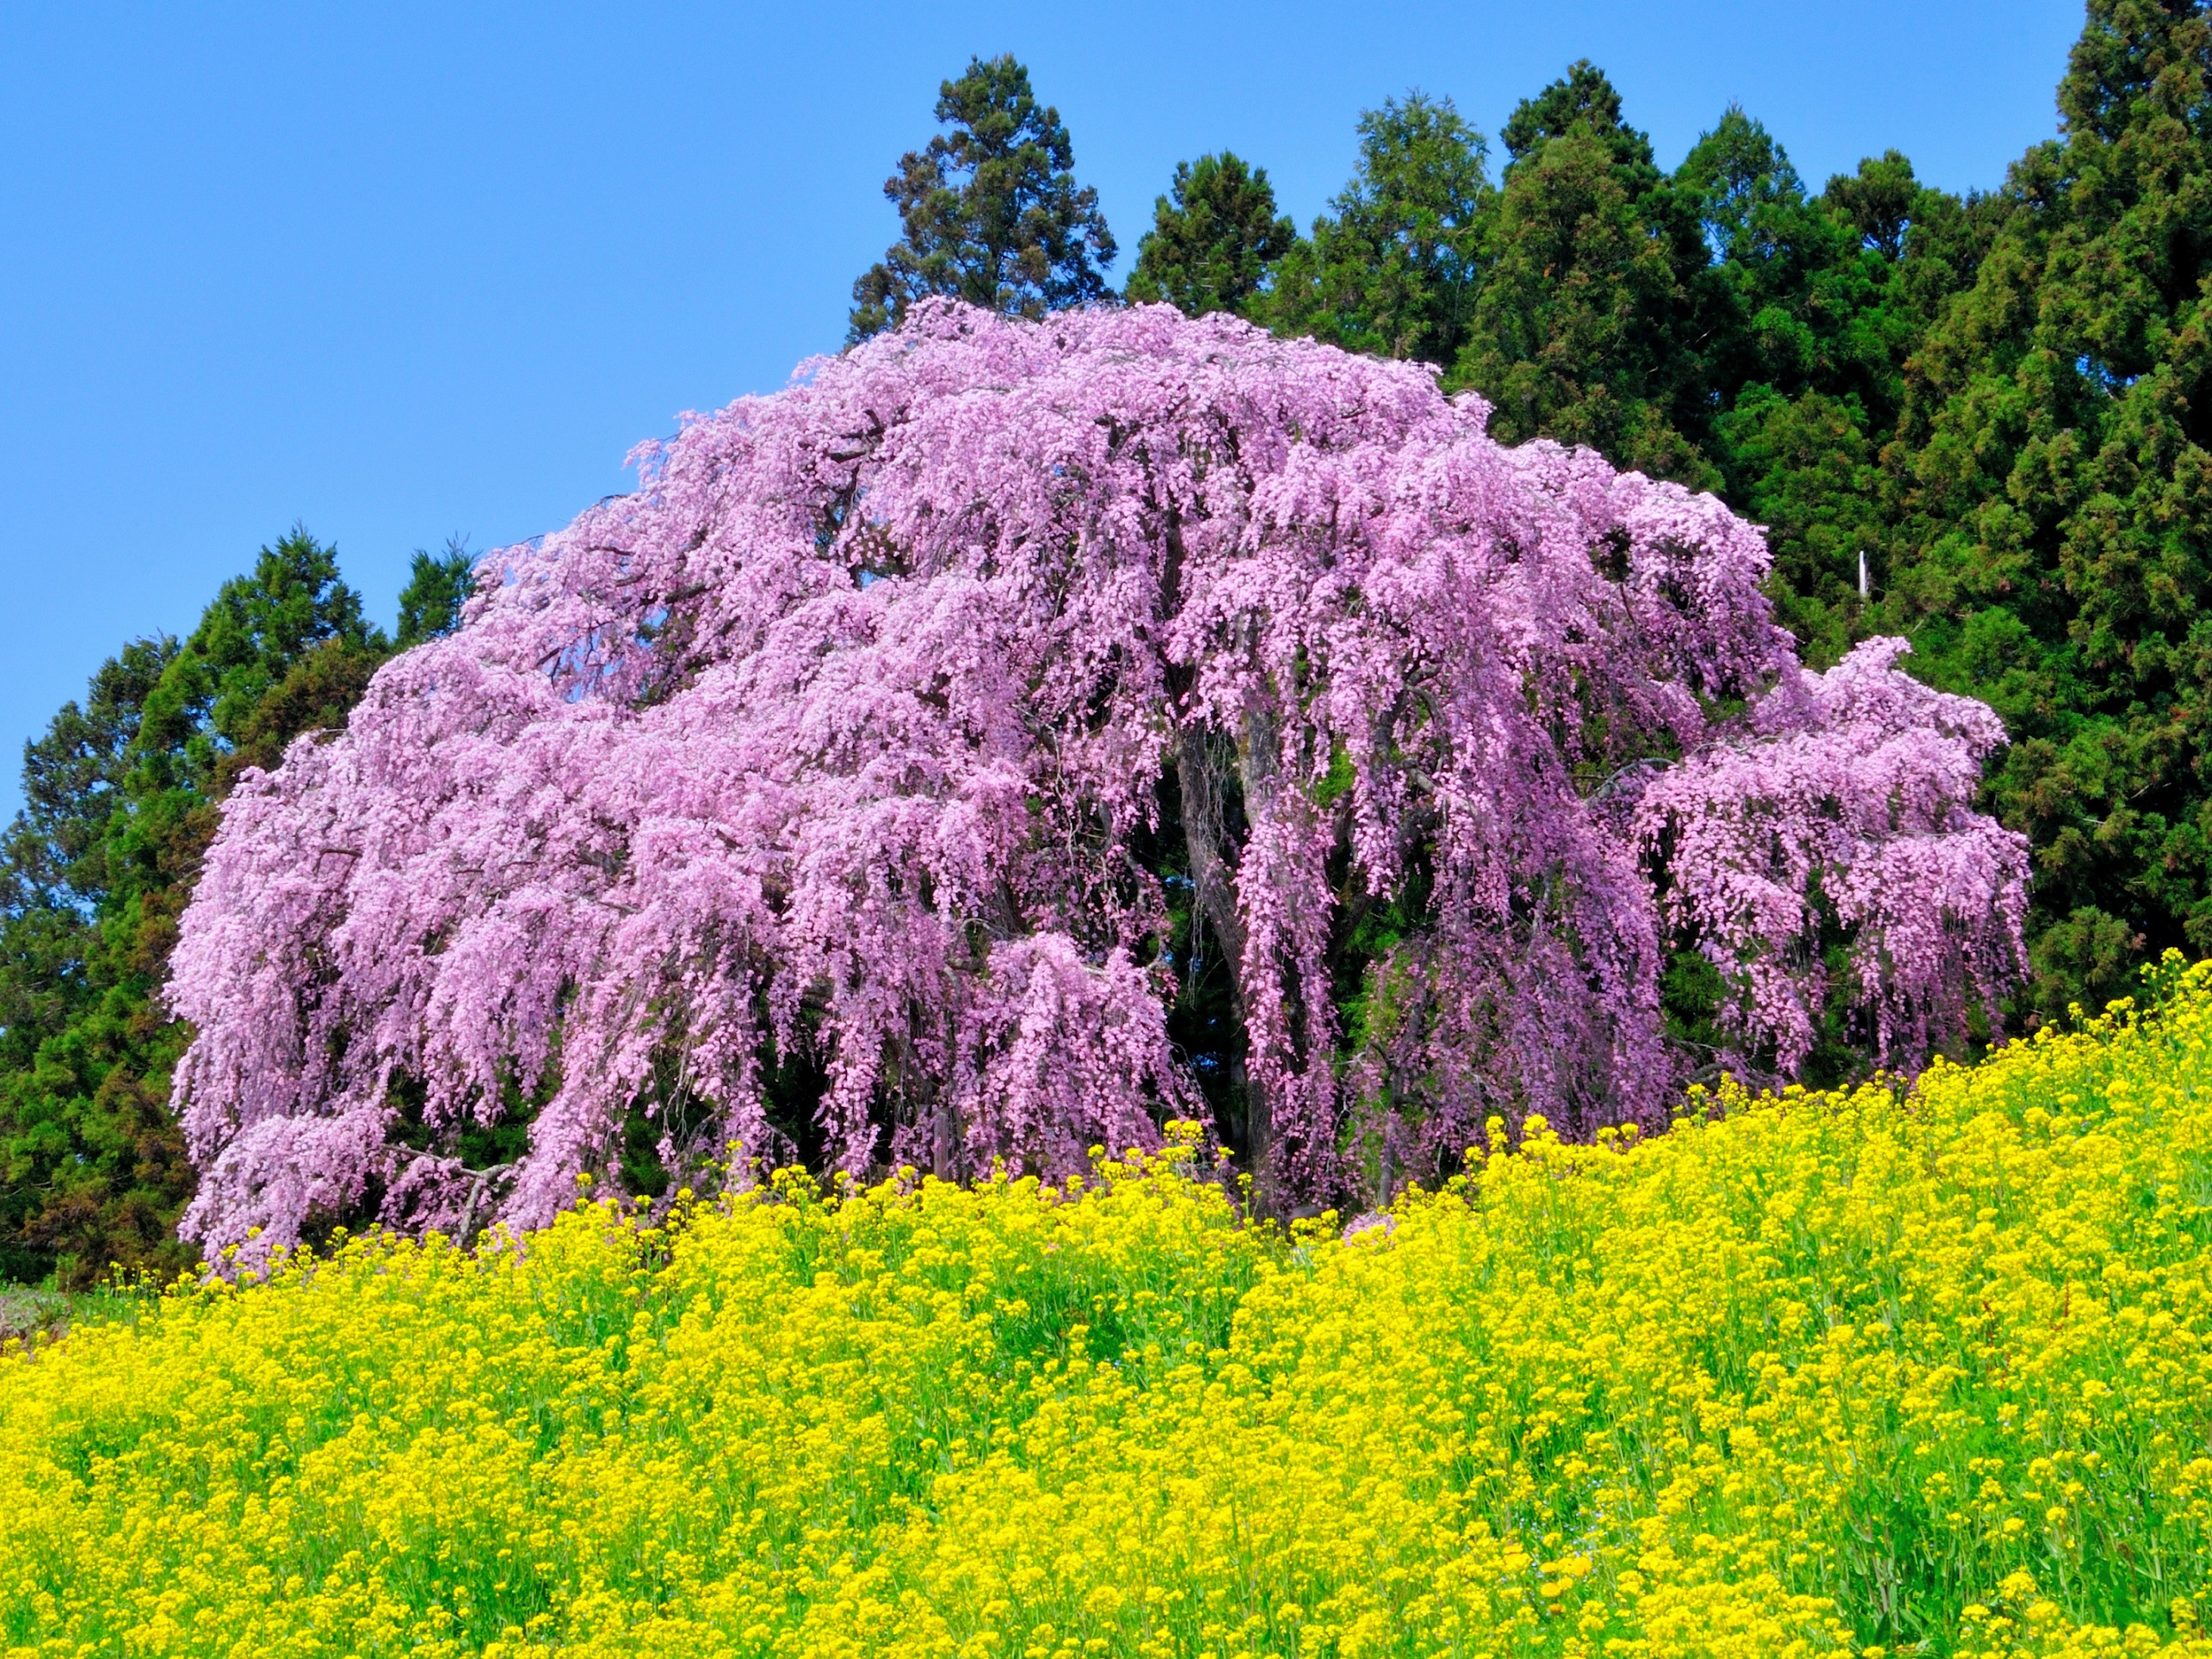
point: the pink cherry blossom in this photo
(841, 741)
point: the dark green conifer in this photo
(1393, 266)
(1214, 237)
(1595, 313)
(438, 585)
(2054, 490)
(120, 799)
(990, 210)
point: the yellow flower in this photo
(1703, 1375)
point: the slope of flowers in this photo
(1814, 1374)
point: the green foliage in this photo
(1804, 468)
(120, 799)
(1393, 269)
(1212, 239)
(1581, 101)
(1597, 298)
(2052, 492)
(71, 777)
(257, 628)
(990, 210)
(438, 585)
(54, 876)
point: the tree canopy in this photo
(990, 210)
(1392, 268)
(121, 798)
(438, 585)
(1596, 297)
(1213, 237)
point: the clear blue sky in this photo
(401, 272)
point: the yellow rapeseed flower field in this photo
(1870, 1372)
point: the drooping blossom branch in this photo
(1851, 793)
(837, 749)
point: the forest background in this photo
(1975, 420)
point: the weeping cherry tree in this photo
(865, 786)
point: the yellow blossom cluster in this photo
(1884, 1372)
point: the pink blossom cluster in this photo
(1850, 787)
(844, 739)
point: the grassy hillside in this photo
(1824, 1373)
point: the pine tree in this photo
(990, 210)
(1394, 267)
(1213, 239)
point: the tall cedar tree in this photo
(990, 210)
(54, 876)
(1213, 239)
(1597, 301)
(2052, 489)
(1393, 269)
(438, 585)
(119, 800)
